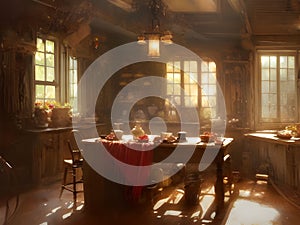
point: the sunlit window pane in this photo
(177, 67)
(194, 77)
(170, 67)
(187, 89)
(50, 92)
(73, 96)
(291, 62)
(170, 77)
(39, 58)
(265, 74)
(204, 66)
(49, 46)
(193, 67)
(177, 90)
(273, 73)
(212, 79)
(50, 60)
(212, 90)
(273, 62)
(291, 74)
(187, 79)
(194, 90)
(39, 91)
(40, 45)
(204, 78)
(283, 74)
(283, 61)
(205, 89)
(40, 73)
(273, 87)
(177, 78)
(264, 61)
(50, 74)
(169, 89)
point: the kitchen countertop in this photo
(272, 137)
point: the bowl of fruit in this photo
(207, 137)
(143, 139)
(284, 134)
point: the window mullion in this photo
(182, 83)
(278, 88)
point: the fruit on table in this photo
(111, 136)
(144, 137)
(294, 128)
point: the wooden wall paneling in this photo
(237, 90)
(15, 73)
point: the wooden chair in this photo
(9, 192)
(72, 166)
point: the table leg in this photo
(219, 187)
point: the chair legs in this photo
(66, 186)
(74, 184)
(64, 181)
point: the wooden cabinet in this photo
(48, 149)
(279, 158)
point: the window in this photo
(45, 71)
(186, 79)
(183, 80)
(209, 88)
(73, 80)
(278, 88)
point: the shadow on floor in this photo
(254, 202)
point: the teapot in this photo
(137, 131)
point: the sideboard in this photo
(276, 157)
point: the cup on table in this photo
(165, 135)
(219, 140)
(181, 136)
(119, 134)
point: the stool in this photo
(72, 166)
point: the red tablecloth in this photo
(132, 153)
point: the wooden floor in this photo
(254, 203)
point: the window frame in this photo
(209, 95)
(199, 82)
(181, 83)
(68, 82)
(277, 122)
(55, 83)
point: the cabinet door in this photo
(48, 154)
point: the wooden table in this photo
(96, 187)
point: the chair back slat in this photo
(73, 148)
